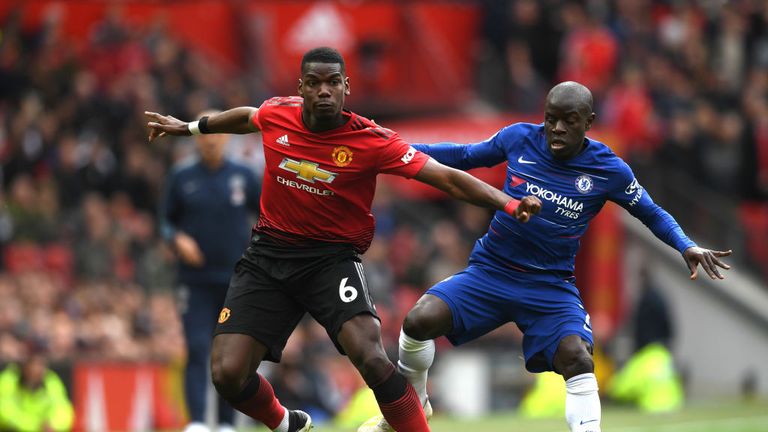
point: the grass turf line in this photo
(709, 417)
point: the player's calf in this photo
(574, 361)
(416, 358)
(361, 339)
(582, 403)
(397, 399)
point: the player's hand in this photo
(160, 126)
(188, 250)
(528, 207)
(709, 260)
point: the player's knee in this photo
(425, 322)
(415, 325)
(580, 364)
(573, 359)
(228, 376)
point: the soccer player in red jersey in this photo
(320, 177)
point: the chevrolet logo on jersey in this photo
(307, 171)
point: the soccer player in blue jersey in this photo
(523, 273)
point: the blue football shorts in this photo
(545, 307)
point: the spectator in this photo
(589, 53)
(649, 379)
(33, 398)
(207, 212)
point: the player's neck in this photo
(321, 125)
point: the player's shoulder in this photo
(283, 101)
(282, 110)
(278, 104)
(374, 132)
(520, 130)
(601, 155)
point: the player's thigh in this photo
(477, 300)
(258, 306)
(335, 293)
(556, 315)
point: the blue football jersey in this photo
(571, 191)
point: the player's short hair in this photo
(323, 55)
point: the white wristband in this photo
(194, 128)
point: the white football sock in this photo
(582, 403)
(415, 360)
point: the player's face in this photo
(323, 87)
(566, 123)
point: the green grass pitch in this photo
(709, 417)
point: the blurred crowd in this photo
(84, 271)
(684, 83)
(681, 85)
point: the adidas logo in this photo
(283, 140)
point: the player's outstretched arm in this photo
(465, 187)
(234, 121)
(486, 153)
(709, 260)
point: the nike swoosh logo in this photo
(585, 422)
(523, 161)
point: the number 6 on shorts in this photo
(347, 293)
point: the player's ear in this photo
(300, 88)
(346, 86)
(590, 119)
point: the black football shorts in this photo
(267, 297)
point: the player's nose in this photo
(324, 91)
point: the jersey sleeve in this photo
(400, 158)
(486, 153)
(256, 119)
(629, 194)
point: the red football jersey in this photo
(320, 185)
